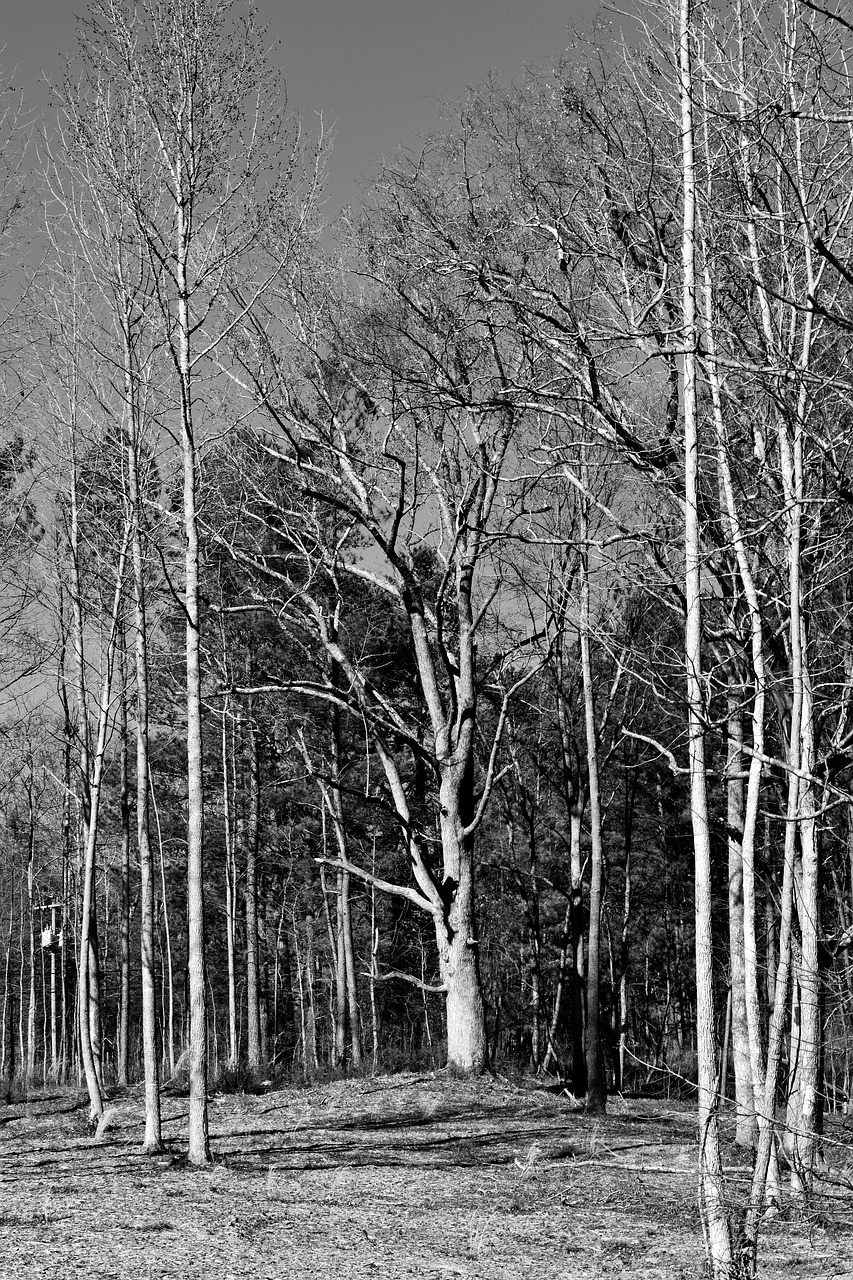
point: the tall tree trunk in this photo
(87, 1055)
(578, 985)
(124, 912)
(253, 1020)
(199, 1143)
(562, 966)
(54, 1005)
(29, 1067)
(230, 895)
(153, 1141)
(803, 1107)
(6, 1061)
(310, 1061)
(744, 818)
(596, 1095)
(339, 1038)
(96, 1034)
(346, 951)
(714, 1221)
(374, 966)
(624, 936)
(87, 941)
(741, 1057)
(168, 967)
(575, 798)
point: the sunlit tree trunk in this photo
(87, 942)
(714, 1220)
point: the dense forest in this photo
(426, 634)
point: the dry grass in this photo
(393, 1177)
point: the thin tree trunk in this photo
(151, 1063)
(29, 1069)
(714, 1221)
(596, 1095)
(340, 961)
(741, 1056)
(312, 1064)
(124, 915)
(374, 965)
(86, 938)
(95, 1023)
(169, 1014)
(199, 1143)
(578, 1010)
(5, 1067)
(348, 988)
(624, 937)
(230, 896)
(553, 1027)
(803, 1107)
(253, 1020)
(54, 1009)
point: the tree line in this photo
(428, 636)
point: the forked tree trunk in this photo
(87, 942)
(744, 815)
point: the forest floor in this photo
(381, 1178)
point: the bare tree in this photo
(404, 436)
(189, 94)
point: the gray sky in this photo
(370, 66)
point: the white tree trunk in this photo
(712, 1206)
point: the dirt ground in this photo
(383, 1178)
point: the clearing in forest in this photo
(385, 1177)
